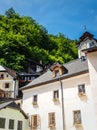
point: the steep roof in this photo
(2, 68)
(86, 34)
(13, 105)
(11, 72)
(6, 69)
(75, 67)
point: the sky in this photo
(69, 17)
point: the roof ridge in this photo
(71, 61)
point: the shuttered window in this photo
(51, 119)
(77, 117)
(36, 121)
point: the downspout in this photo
(14, 79)
(62, 99)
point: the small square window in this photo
(2, 76)
(6, 85)
(56, 95)
(35, 100)
(81, 89)
(77, 117)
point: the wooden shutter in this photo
(35, 121)
(51, 119)
(38, 121)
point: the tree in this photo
(11, 13)
(22, 38)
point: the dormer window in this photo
(57, 73)
(58, 70)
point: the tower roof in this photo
(86, 34)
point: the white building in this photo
(65, 97)
(8, 83)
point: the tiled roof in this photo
(2, 68)
(74, 67)
(3, 105)
(10, 71)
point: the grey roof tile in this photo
(4, 104)
(73, 67)
(14, 106)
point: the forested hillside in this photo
(22, 38)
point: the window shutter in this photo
(35, 119)
(51, 119)
(30, 121)
(38, 121)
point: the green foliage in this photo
(22, 38)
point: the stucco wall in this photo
(16, 115)
(13, 84)
(92, 62)
(72, 102)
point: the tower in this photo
(86, 41)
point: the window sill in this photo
(81, 94)
(34, 128)
(55, 99)
(77, 124)
(51, 126)
(34, 103)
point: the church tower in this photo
(88, 48)
(86, 41)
